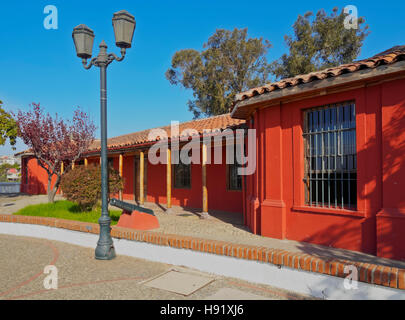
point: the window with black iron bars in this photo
(330, 156)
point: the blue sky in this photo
(39, 65)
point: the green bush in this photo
(82, 185)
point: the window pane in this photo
(182, 174)
(330, 156)
(234, 180)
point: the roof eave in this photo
(23, 154)
(137, 146)
(244, 108)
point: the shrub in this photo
(82, 185)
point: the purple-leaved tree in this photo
(53, 140)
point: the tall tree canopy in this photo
(8, 127)
(320, 42)
(54, 140)
(230, 63)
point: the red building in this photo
(181, 184)
(330, 153)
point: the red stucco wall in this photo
(275, 205)
(391, 216)
(219, 198)
(37, 177)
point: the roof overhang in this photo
(243, 109)
(136, 148)
(25, 153)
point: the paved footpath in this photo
(220, 226)
(80, 276)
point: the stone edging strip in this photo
(368, 273)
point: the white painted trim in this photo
(314, 284)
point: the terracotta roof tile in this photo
(221, 122)
(141, 137)
(389, 56)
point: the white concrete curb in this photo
(314, 284)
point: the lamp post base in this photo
(105, 252)
(105, 247)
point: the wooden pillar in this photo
(85, 162)
(121, 164)
(169, 181)
(141, 177)
(204, 213)
(100, 161)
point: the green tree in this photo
(229, 63)
(8, 127)
(320, 42)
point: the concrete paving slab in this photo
(179, 282)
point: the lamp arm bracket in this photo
(91, 63)
(113, 56)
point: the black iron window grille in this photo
(182, 176)
(234, 179)
(330, 156)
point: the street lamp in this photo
(83, 36)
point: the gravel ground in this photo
(80, 276)
(13, 202)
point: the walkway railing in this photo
(10, 187)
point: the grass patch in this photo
(66, 210)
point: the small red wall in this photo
(275, 205)
(156, 191)
(219, 197)
(128, 175)
(35, 175)
(38, 177)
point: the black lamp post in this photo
(83, 36)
